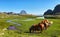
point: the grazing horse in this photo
(40, 26)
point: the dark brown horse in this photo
(38, 27)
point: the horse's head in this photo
(49, 23)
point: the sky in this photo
(36, 7)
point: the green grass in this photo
(52, 31)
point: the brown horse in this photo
(40, 26)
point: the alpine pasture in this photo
(23, 29)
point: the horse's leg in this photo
(31, 28)
(46, 27)
(42, 27)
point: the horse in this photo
(40, 26)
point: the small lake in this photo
(10, 21)
(29, 19)
(40, 18)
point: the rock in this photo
(11, 27)
(4, 29)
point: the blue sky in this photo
(36, 7)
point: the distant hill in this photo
(56, 10)
(53, 13)
(23, 12)
(48, 12)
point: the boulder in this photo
(11, 27)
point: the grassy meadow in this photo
(23, 30)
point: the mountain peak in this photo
(23, 12)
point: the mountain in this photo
(56, 10)
(23, 12)
(53, 14)
(48, 12)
